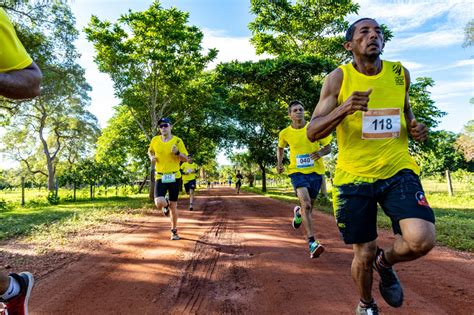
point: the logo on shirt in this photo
(397, 70)
(421, 199)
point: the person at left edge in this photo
(20, 78)
(167, 151)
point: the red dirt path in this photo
(238, 255)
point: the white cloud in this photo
(433, 39)
(406, 15)
(230, 48)
(466, 64)
(447, 90)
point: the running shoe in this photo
(315, 249)
(389, 285)
(296, 223)
(166, 209)
(174, 235)
(370, 309)
(18, 305)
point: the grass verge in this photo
(454, 214)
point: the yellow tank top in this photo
(373, 145)
(13, 55)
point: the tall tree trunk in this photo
(151, 192)
(264, 178)
(74, 192)
(142, 184)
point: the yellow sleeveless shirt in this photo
(373, 145)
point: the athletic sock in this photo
(311, 239)
(174, 231)
(366, 304)
(13, 289)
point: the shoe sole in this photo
(31, 283)
(293, 223)
(317, 252)
(175, 239)
(294, 226)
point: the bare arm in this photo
(151, 155)
(319, 154)
(327, 115)
(280, 152)
(418, 131)
(21, 84)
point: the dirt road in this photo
(238, 255)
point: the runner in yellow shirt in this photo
(306, 169)
(190, 171)
(367, 102)
(166, 151)
(20, 78)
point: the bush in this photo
(5, 206)
(53, 198)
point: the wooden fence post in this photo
(450, 184)
(22, 190)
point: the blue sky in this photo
(428, 37)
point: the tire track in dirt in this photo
(214, 269)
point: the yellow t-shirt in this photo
(300, 149)
(13, 55)
(189, 171)
(166, 161)
(373, 145)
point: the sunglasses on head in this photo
(164, 125)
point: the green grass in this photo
(56, 221)
(454, 214)
(38, 219)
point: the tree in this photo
(151, 57)
(301, 27)
(293, 28)
(258, 92)
(440, 154)
(469, 34)
(465, 141)
(245, 163)
(57, 118)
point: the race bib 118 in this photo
(381, 123)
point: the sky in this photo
(428, 38)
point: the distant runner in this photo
(238, 182)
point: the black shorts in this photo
(238, 183)
(190, 185)
(171, 188)
(400, 196)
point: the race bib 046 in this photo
(303, 160)
(168, 178)
(381, 123)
